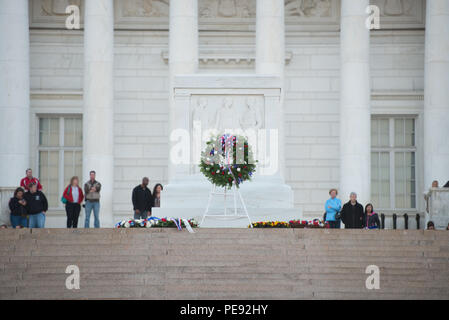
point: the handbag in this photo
(64, 200)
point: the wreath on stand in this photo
(227, 160)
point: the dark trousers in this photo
(73, 213)
(334, 224)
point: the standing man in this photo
(92, 190)
(25, 182)
(142, 200)
(352, 213)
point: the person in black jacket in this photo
(17, 205)
(37, 206)
(142, 200)
(352, 213)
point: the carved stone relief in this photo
(401, 13)
(308, 8)
(57, 7)
(238, 15)
(51, 13)
(228, 112)
(145, 8)
(227, 8)
(234, 114)
(396, 7)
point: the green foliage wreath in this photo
(222, 165)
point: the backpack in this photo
(64, 200)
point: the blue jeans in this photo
(37, 220)
(89, 206)
(141, 215)
(19, 221)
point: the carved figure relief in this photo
(227, 8)
(232, 113)
(228, 112)
(200, 113)
(251, 118)
(396, 7)
(227, 117)
(130, 14)
(57, 7)
(146, 8)
(308, 8)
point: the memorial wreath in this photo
(227, 160)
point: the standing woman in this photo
(371, 219)
(72, 197)
(157, 195)
(17, 205)
(333, 207)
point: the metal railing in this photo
(405, 216)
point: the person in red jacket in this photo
(73, 196)
(25, 182)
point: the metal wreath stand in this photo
(233, 214)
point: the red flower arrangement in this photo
(313, 224)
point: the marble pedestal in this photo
(438, 204)
(227, 103)
(266, 198)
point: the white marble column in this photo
(270, 60)
(436, 93)
(183, 59)
(98, 116)
(355, 111)
(270, 38)
(183, 37)
(14, 91)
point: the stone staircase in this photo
(223, 263)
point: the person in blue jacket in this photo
(333, 207)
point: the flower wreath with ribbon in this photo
(227, 161)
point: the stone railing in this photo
(5, 194)
(438, 207)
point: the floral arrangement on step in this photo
(154, 222)
(270, 224)
(227, 160)
(311, 224)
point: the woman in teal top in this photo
(333, 207)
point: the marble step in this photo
(223, 264)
